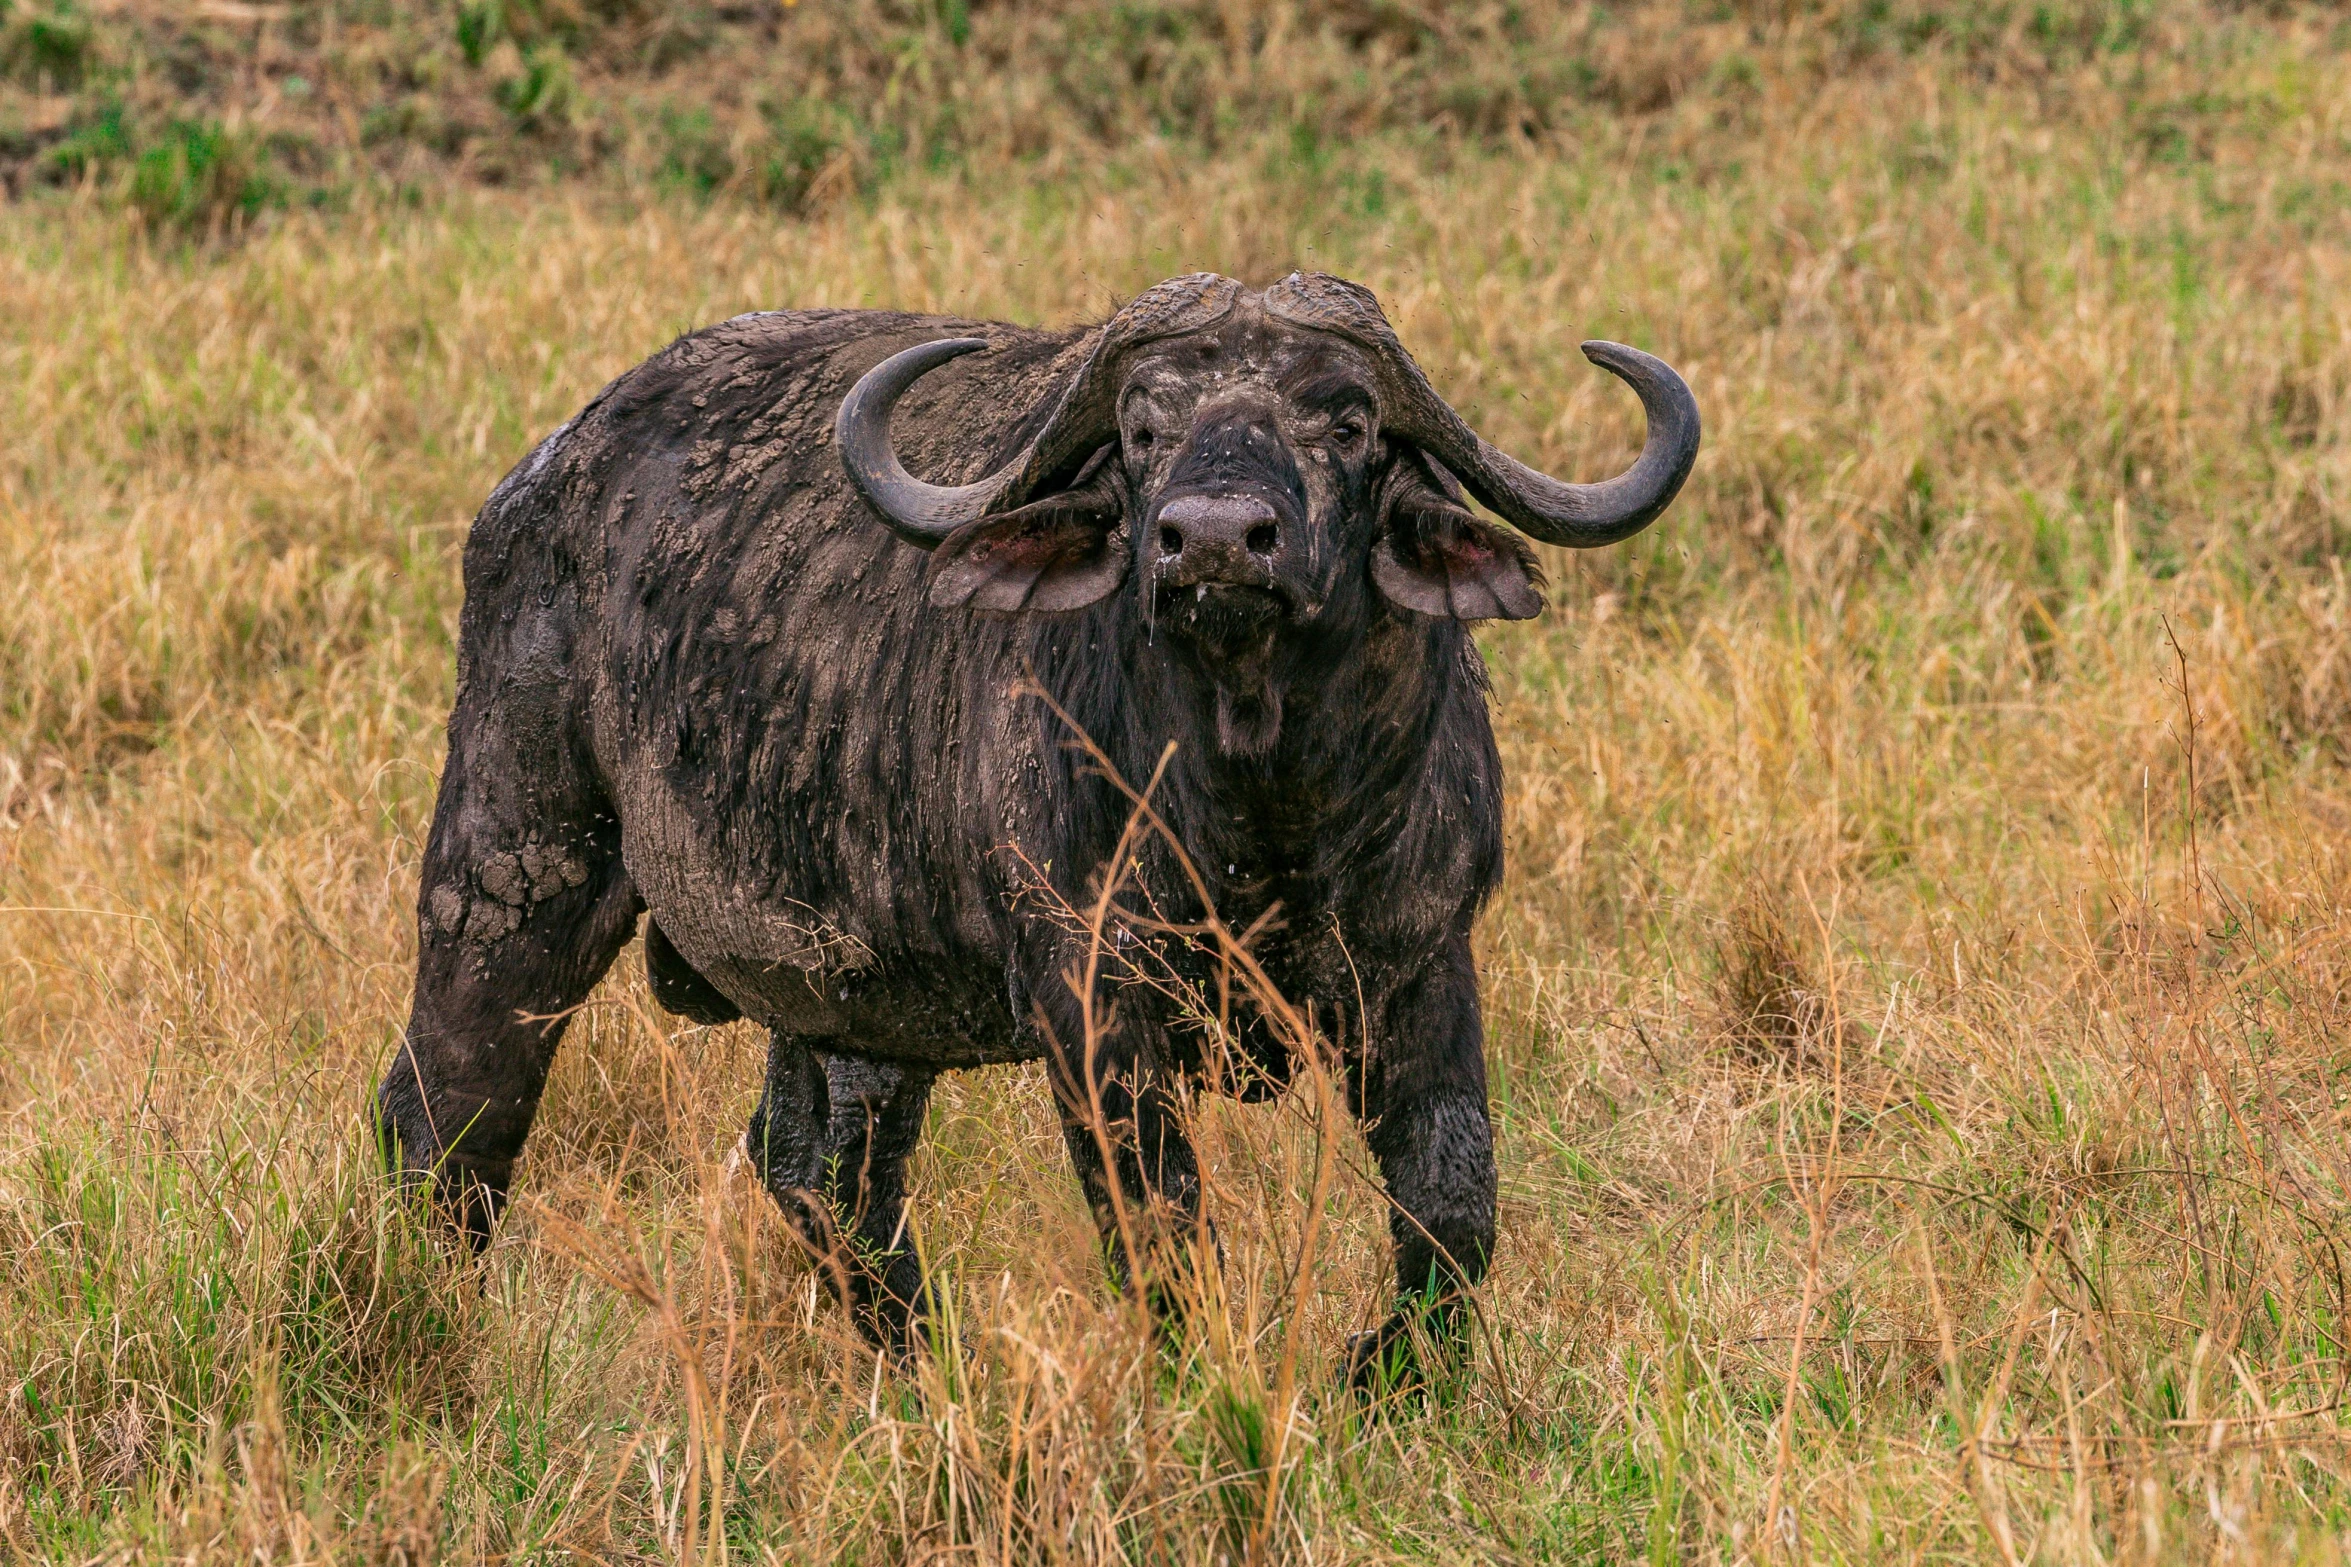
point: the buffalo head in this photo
(1253, 458)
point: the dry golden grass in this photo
(1916, 1006)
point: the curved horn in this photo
(1581, 516)
(921, 514)
(1084, 416)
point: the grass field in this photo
(1918, 1006)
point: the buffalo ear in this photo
(1059, 553)
(1433, 557)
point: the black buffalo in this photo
(722, 659)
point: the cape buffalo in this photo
(724, 660)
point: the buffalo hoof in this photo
(901, 1336)
(906, 1342)
(1384, 1365)
(1395, 1361)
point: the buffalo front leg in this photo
(830, 1140)
(1423, 1090)
(1126, 1139)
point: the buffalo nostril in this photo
(1262, 539)
(1170, 542)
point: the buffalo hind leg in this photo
(1424, 1105)
(830, 1140)
(523, 906)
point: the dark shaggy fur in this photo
(696, 676)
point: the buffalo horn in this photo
(1082, 419)
(1581, 516)
(921, 514)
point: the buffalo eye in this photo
(1347, 432)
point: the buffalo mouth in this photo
(1220, 611)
